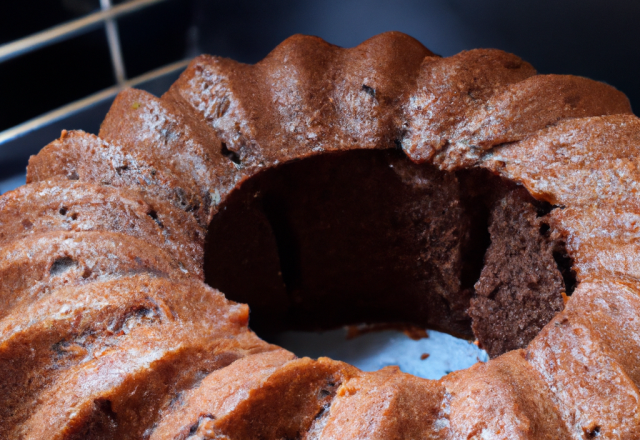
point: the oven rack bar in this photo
(71, 29)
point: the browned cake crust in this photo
(505, 397)
(86, 157)
(379, 183)
(385, 404)
(168, 138)
(100, 340)
(35, 266)
(237, 401)
(350, 99)
(78, 206)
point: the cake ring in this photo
(327, 187)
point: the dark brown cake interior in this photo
(367, 236)
(520, 286)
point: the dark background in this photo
(597, 39)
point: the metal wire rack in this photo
(19, 142)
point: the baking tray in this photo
(431, 357)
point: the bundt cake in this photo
(327, 187)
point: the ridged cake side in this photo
(82, 156)
(109, 333)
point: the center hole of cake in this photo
(369, 237)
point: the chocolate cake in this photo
(325, 187)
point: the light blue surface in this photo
(12, 183)
(373, 351)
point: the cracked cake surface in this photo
(324, 186)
